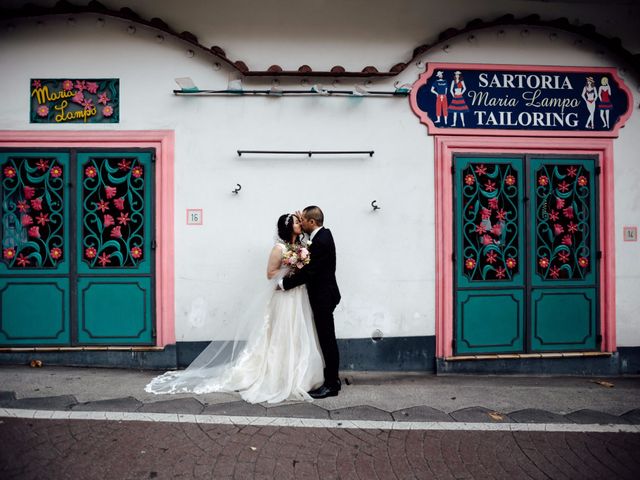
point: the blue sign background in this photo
(522, 100)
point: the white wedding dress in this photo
(275, 359)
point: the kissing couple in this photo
(286, 350)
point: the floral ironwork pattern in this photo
(489, 222)
(32, 212)
(563, 232)
(113, 217)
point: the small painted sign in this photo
(459, 98)
(630, 234)
(67, 100)
(194, 216)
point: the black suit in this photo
(320, 277)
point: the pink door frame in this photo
(448, 145)
(163, 142)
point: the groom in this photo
(320, 277)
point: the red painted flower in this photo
(469, 179)
(543, 180)
(92, 87)
(23, 206)
(78, 97)
(111, 192)
(9, 172)
(480, 228)
(36, 84)
(108, 220)
(582, 181)
(56, 253)
(583, 262)
(9, 253)
(124, 218)
(510, 180)
(103, 99)
(87, 104)
(481, 170)
(42, 165)
(34, 232)
(554, 272)
(564, 186)
(572, 227)
(559, 203)
(563, 257)
(42, 111)
(36, 203)
(90, 252)
(566, 240)
(486, 213)
(558, 229)
(490, 186)
(493, 203)
(90, 171)
(543, 262)
(119, 203)
(568, 212)
(496, 229)
(42, 219)
(107, 111)
(56, 171)
(104, 259)
(26, 220)
(22, 260)
(511, 262)
(487, 240)
(137, 171)
(81, 85)
(469, 263)
(501, 214)
(115, 232)
(553, 215)
(492, 257)
(67, 85)
(500, 272)
(102, 206)
(124, 164)
(136, 252)
(29, 192)
(572, 171)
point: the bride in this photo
(273, 357)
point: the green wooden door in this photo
(77, 234)
(525, 254)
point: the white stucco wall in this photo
(386, 258)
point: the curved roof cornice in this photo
(63, 7)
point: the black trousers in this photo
(323, 318)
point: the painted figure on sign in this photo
(458, 105)
(604, 97)
(439, 89)
(589, 95)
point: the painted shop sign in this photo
(67, 100)
(505, 99)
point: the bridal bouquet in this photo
(296, 256)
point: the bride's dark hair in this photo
(285, 227)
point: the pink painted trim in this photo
(446, 147)
(163, 142)
(435, 130)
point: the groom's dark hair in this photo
(313, 212)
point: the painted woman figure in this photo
(589, 95)
(604, 98)
(458, 105)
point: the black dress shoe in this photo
(325, 391)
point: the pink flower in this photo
(501, 214)
(493, 203)
(78, 97)
(511, 262)
(469, 263)
(481, 170)
(9, 253)
(26, 220)
(36, 203)
(42, 219)
(42, 111)
(9, 172)
(56, 171)
(136, 252)
(568, 212)
(104, 259)
(486, 213)
(81, 85)
(119, 203)
(555, 272)
(583, 262)
(29, 192)
(564, 186)
(543, 262)
(487, 240)
(42, 165)
(124, 164)
(90, 252)
(543, 180)
(582, 181)
(90, 171)
(563, 257)
(92, 87)
(102, 206)
(56, 253)
(304, 253)
(107, 111)
(572, 171)
(510, 180)
(572, 227)
(137, 171)
(496, 229)
(87, 104)
(299, 264)
(23, 207)
(566, 240)
(480, 228)
(108, 221)
(111, 192)
(67, 85)
(115, 232)
(559, 203)
(558, 229)
(103, 99)
(36, 84)
(34, 232)
(123, 218)
(553, 215)
(500, 272)
(492, 257)
(23, 261)
(469, 179)
(490, 186)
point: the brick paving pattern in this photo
(92, 449)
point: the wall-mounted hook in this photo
(237, 189)
(375, 207)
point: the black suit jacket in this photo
(320, 274)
